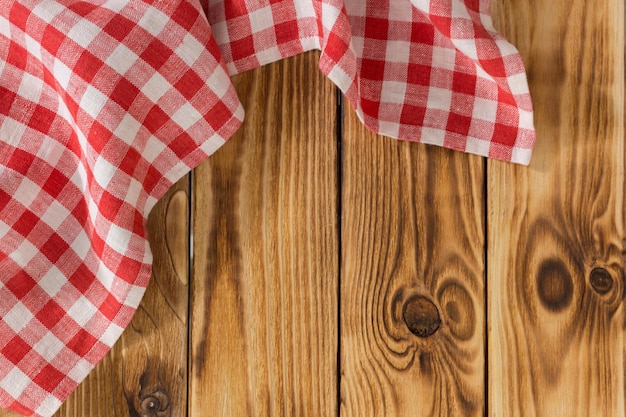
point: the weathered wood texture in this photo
(412, 240)
(264, 301)
(555, 241)
(145, 374)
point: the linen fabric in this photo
(105, 104)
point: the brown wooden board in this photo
(264, 297)
(412, 258)
(555, 229)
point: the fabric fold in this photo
(105, 104)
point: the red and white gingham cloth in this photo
(104, 104)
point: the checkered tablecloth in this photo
(104, 104)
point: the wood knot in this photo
(601, 280)
(458, 309)
(555, 285)
(155, 404)
(421, 316)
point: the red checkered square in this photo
(15, 349)
(104, 107)
(54, 248)
(49, 378)
(286, 32)
(50, 314)
(156, 54)
(458, 124)
(82, 342)
(376, 28)
(20, 284)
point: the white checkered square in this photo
(18, 317)
(526, 120)
(393, 92)
(439, 99)
(79, 178)
(216, 79)
(81, 245)
(521, 155)
(485, 109)
(128, 129)
(33, 47)
(27, 192)
(112, 333)
(12, 130)
(24, 253)
(156, 87)
(48, 11)
(305, 9)
(443, 58)
(105, 172)
(134, 193)
(261, 19)
(459, 10)
(401, 12)
(518, 84)
(5, 29)
(154, 147)
(118, 238)
(49, 346)
(133, 297)
(266, 56)
(121, 59)
(80, 370)
(93, 101)
(55, 215)
(477, 146)
(390, 129)
(82, 311)
(398, 51)
(468, 46)
(330, 14)
(84, 32)
(106, 277)
(55, 153)
(15, 382)
(48, 406)
(62, 73)
(186, 116)
(52, 281)
(433, 136)
(154, 21)
(190, 50)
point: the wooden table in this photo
(311, 268)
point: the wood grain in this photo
(412, 278)
(264, 304)
(145, 374)
(556, 230)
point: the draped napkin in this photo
(105, 104)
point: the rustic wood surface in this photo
(338, 273)
(555, 241)
(264, 301)
(412, 258)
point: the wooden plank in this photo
(412, 257)
(146, 371)
(264, 299)
(555, 242)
